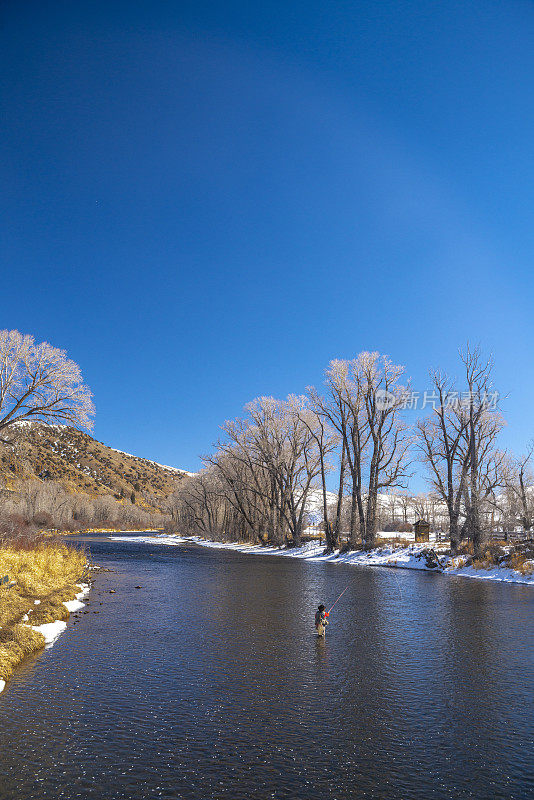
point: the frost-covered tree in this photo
(363, 404)
(278, 450)
(39, 382)
(516, 503)
(256, 485)
(459, 446)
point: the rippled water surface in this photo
(208, 682)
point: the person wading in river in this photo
(321, 620)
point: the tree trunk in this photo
(339, 506)
(370, 521)
(454, 533)
(328, 532)
(353, 518)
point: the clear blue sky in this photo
(206, 202)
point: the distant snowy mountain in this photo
(314, 503)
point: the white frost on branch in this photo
(39, 382)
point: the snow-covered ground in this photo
(160, 538)
(405, 557)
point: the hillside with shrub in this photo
(57, 476)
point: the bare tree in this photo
(485, 461)
(458, 443)
(105, 510)
(364, 403)
(198, 504)
(517, 502)
(256, 485)
(406, 503)
(285, 440)
(334, 411)
(384, 396)
(326, 440)
(440, 440)
(39, 382)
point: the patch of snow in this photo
(28, 423)
(504, 574)
(314, 500)
(75, 605)
(50, 631)
(161, 539)
(156, 463)
(2, 685)
(172, 469)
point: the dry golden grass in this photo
(44, 569)
(49, 610)
(16, 644)
(393, 541)
(47, 572)
(501, 553)
(12, 607)
(522, 562)
(485, 562)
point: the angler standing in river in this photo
(321, 620)
(321, 616)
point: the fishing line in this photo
(338, 599)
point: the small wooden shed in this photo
(422, 531)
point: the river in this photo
(208, 682)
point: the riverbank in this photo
(44, 585)
(410, 556)
(103, 530)
(116, 530)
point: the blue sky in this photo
(206, 202)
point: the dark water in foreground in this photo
(208, 683)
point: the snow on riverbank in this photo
(52, 630)
(75, 605)
(161, 538)
(407, 557)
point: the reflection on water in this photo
(209, 682)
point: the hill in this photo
(83, 464)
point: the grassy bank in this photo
(42, 577)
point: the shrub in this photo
(346, 547)
(170, 526)
(43, 519)
(395, 541)
(522, 561)
(405, 527)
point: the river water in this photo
(208, 682)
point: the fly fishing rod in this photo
(337, 601)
